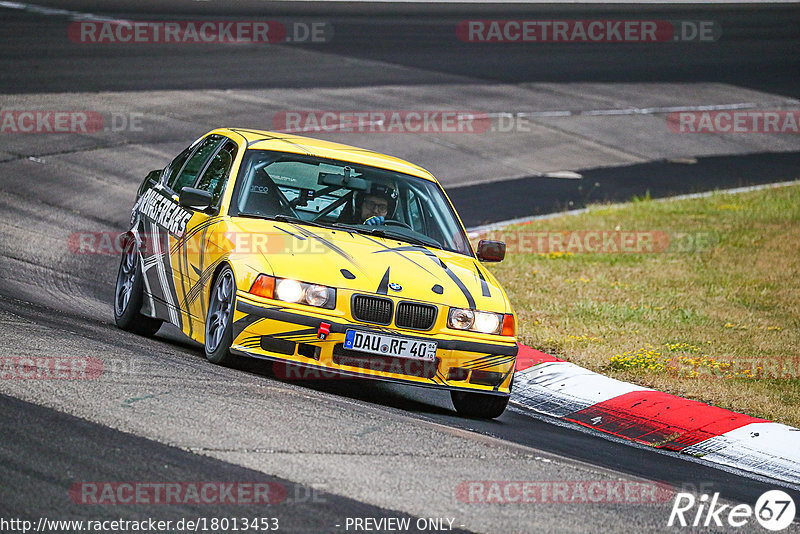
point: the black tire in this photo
(479, 405)
(219, 320)
(128, 295)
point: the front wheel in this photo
(478, 405)
(128, 295)
(219, 321)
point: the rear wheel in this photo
(478, 405)
(219, 321)
(128, 295)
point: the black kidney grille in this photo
(372, 309)
(416, 316)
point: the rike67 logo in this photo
(774, 510)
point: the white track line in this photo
(56, 12)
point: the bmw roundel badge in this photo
(395, 287)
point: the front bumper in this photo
(291, 334)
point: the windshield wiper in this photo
(298, 220)
(382, 232)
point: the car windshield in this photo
(369, 200)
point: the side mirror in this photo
(196, 199)
(491, 250)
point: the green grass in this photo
(717, 321)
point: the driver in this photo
(374, 206)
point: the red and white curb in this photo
(551, 386)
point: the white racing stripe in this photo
(561, 388)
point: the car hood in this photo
(371, 264)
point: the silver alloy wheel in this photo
(220, 310)
(125, 279)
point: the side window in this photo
(177, 164)
(216, 173)
(194, 164)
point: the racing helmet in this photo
(386, 192)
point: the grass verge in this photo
(703, 303)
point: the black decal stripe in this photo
(495, 364)
(200, 268)
(252, 342)
(505, 376)
(298, 339)
(242, 323)
(462, 287)
(451, 274)
(275, 138)
(301, 238)
(302, 332)
(343, 253)
(211, 221)
(484, 286)
(399, 251)
(281, 314)
(383, 287)
(195, 291)
(194, 231)
(484, 359)
(183, 266)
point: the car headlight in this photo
(317, 295)
(289, 290)
(479, 321)
(488, 323)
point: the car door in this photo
(194, 257)
(162, 223)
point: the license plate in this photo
(400, 347)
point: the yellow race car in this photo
(325, 257)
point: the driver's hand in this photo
(375, 220)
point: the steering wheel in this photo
(392, 222)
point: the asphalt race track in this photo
(160, 413)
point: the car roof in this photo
(285, 142)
